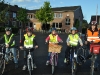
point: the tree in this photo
(22, 16)
(4, 13)
(77, 23)
(84, 24)
(45, 14)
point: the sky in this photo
(89, 7)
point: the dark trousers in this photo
(67, 52)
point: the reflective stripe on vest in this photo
(73, 39)
(93, 37)
(8, 40)
(28, 43)
(53, 39)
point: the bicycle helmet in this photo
(29, 29)
(93, 23)
(53, 29)
(8, 29)
(73, 28)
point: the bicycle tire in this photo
(92, 65)
(29, 67)
(2, 66)
(74, 66)
(53, 64)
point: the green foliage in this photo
(45, 14)
(84, 24)
(22, 16)
(77, 23)
(4, 14)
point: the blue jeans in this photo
(49, 54)
(13, 50)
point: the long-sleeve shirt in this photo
(2, 40)
(79, 40)
(58, 38)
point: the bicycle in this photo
(95, 50)
(82, 53)
(2, 59)
(29, 61)
(73, 60)
(54, 49)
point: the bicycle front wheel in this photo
(74, 66)
(53, 64)
(92, 65)
(2, 66)
(29, 66)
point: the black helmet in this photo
(8, 29)
(29, 29)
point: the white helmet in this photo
(73, 28)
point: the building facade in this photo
(64, 17)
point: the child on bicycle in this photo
(72, 41)
(52, 38)
(92, 33)
(28, 41)
(9, 40)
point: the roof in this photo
(14, 8)
(93, 18)
(70, 8)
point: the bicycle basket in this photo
(54, 48)
(95, 49)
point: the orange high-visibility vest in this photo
(93, 37)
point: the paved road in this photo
(40, 56)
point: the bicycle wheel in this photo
(92, 65)
(53, 64)
(74, 66)
(29, 66)
(2, 66)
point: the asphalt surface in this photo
(40, 56)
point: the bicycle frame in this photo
(29, 57)
(53, 61)
(52, 58)
(29, 61)
(73, 60)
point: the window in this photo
(7, 14)
(14, 23)
(31, 16)
(28, 16)
(56, 25)
(31, 24)
(60, 15)
(14, 15)
(67, 21)
(60, 25)
(26, 24)
(53, 25)
(55, 15)
(7, 23)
